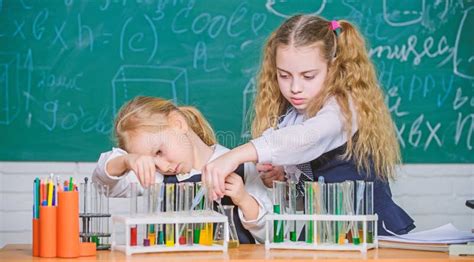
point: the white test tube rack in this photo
(175, 218)
(287, 244)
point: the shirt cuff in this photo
(264, 152)
(116, 152)
(254, 222)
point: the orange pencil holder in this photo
(47, 230)
(68, 224)
(36, 225)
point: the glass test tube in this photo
(341, 234)
(148, 237)
(170, 207)
(188, 202)
(200, 206)
(309, 210)
(84, 209)
(133, 212)
(159, 209)
(96, 208)
(359, 210)
(292, 193)
(349, 208)
(185, 198)
(207, 229)
(279, 195)
(322, 225)
(318, 206)
(105, 211)
(331, 209)
(369, 210)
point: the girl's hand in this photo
(234, 188)
(262, 168)
(143, 166)
(215, 173)
(269, 173)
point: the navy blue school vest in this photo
(245, 237)
(334, 169)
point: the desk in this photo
(245, 252)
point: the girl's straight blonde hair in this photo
(350, 74)
(151, 113)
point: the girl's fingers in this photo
(146, 177)
(140, 174)
(220, 185)
(151, 171)
(213, 195)
(269, 175)
(232, 178)
(264, 167)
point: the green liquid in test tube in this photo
(292, 193)
(309, 210)
(322, 201)
(279, 194)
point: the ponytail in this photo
(198, 124)
(352, 75)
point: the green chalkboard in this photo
(66, 67)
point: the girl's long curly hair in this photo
(350, 74)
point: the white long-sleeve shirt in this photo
(119, 186)
(298, 140)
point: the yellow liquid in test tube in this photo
(152, 238)
(206, 235)
(169, 235)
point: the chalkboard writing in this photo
(66, 67)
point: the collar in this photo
(218, 150)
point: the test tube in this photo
(156, 205)
(96, 208)
(84, 207)
(279, 194)
(322, 225)
(105, 212)
(133, 212)
(349, 208)
(292, 193)
(309, 210)
(158, 208)
(369, 210)
(170, 207)
(331, 206)
(188, 201)
(149, 237)
(341, 230)
(207, 233)
(181, 188)
(359, 210)
(200, 206)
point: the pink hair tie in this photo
(336, 27)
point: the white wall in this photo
(432, 194)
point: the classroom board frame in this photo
(362, 247)
(175, 218)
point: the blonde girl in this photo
(161, 142)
